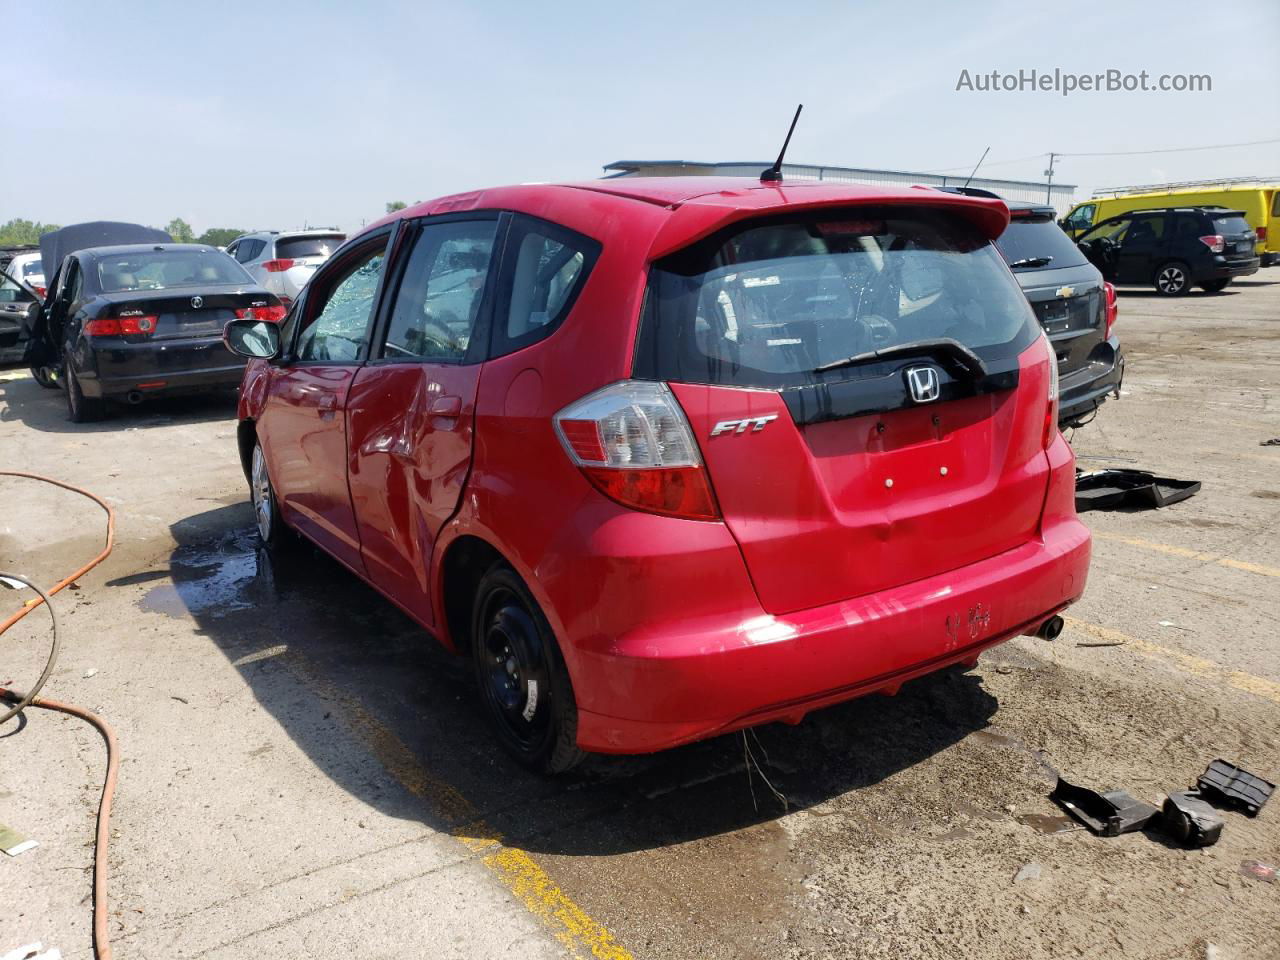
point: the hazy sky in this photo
(270, 115)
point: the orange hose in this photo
(101, 936)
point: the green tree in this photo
(18, 231)
(394, 205)
(180, 230)
(219, 236)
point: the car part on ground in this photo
(1235, 787)
(1106, 814)
(1120, 488)
(21, 701)
(1190, 820)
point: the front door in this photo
(303, 425)
(411, 409)
(1142, 249)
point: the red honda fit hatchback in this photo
(670, 458)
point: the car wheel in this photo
(81, 409)
(1173, 279)
(524, 683)
(266, 512)
(1215, 286)
(47, 377)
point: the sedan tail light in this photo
(1216, 243)
(1051, 407)
(632, 442)
(278, 266)
(1113, 305)
(117, 326)
(270, 314)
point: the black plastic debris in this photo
(1121, 487)
(1226, 784)
(1190, 820)
(1273, 442)
(1106, 814)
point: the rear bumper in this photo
(669, 687)
(160, 367)
(1224, 269)
(1082, 394)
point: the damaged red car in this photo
(671, 458)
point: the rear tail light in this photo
(1051, 407)
(1260, 234)
(270, 314)
(40, 291)
(278, 266)
(632, 442)
(1214, 242)
(1113, 305)
(118, 326)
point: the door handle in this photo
(446, 407)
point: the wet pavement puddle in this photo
(211, 579)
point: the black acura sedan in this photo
(131, 321)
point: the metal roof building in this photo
(1061, 195)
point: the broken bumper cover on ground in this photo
(674, 689)
(1083, 391)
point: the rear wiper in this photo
(961, 357)
(1031, 262)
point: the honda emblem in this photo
(923, 383)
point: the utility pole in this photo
(1048, 190)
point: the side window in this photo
(232, 248)
(549, 267)
(441, 291)
(1082, 217)
(249, 250)
(1145, 231)
(77, 283)
(336, 325)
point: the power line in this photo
(1112, 153)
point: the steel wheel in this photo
(1172, 279)
(264, 504)
(523, 682)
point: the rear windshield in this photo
(1231, 226)
(159, 269)
(298, 248)
(1038, 244)
(767, 304)
(33, 268)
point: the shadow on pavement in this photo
(39, 408)
(369, 668)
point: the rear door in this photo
(303, 425)
(838, 480)
(1144, 246)
(411, 409)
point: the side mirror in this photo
(256, 339)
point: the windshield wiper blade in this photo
(961, 357)
(1031, 262)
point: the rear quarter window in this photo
(769, 303)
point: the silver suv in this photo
(284, 262)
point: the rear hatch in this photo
(1065, 290)
(869, 389)
(1238, 239)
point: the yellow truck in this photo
(1259, 199)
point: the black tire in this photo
(47, 377)
(1173, 278)
(1215, 286)
(81, 409)
(274, 534)
(524, 684)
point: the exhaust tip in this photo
(1051, 629)
(134, 396)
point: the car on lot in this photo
(18, 308)
(669, 458)
(129, 321)
(28, 268)
(283, 262)
(1173, 249)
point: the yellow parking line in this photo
(514, 868)
(1189, 663)
(1166, 548)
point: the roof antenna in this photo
(774, 173)
(976, 166)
